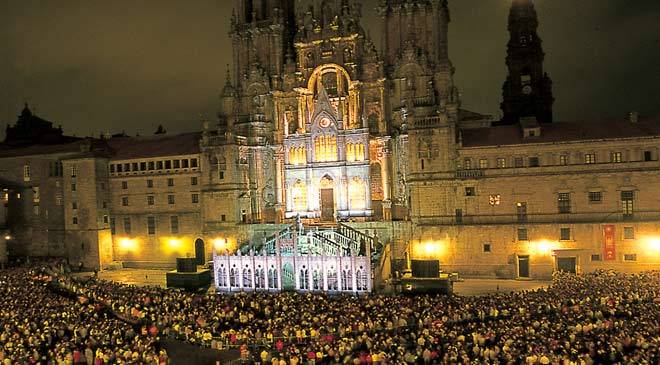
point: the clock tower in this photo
(527, 91)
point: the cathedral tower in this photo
(527, 91)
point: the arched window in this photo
(332, 279)
(222, 276)
(346, 279)
(317, 279)
(362, 278)
(247, 277)
(325, 148)
(233, 277)
(299, 194)
(304, 279)
(260, 278)
(357, 194)
(272, 278)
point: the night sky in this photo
(120, 65)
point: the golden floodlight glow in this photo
(652, 244)
(7, 237)
(128, 244)
(427, 249)
(542, 247)
(220, 244)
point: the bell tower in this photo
(527, 91)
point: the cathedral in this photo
(317, 125)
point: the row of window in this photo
(534, 161)
(564, 201)
(170, 182)
(151, 199)
(151, 225)
(565, 234)
(154, 165)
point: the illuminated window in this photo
(467, 164)
(495, 199)
(354, 152)
(630, 257)
(616, 157)
(26, 173)
(297, 156)
(563, 159)
(521, 211)
(595, 196)
(150, 200)
(483, 163)
(627, 198)
(74, 170)
(325, 148)
(590, 158)
(357, 194)
(299, 195)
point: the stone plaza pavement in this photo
(472, 286)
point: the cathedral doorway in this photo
(327, 199)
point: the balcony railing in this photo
(469, 174)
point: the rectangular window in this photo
(124, 185)
(630, 257)
(174, 224)
(184, 163)
(170, 199)
(58, 200)
(150, 183)
(590, 158)
(521, 211)
(221, 174)
(127, 167)
(616, 157)
(469, 191)
(120, 167)
(627, 198)
(193, 162)
(564, 202)
(105, 219)
(563, 160)
(495, 199)
(152, 166)
(143, 166)
(170, 182)
(193, 180)
(628, 233)
(159, 165)
(74, 205)
(36, 195)
(74, 170)
(483, 163)
(501, 163)
(223, 217)
(595, 196)
(467, 164)
(127, 225)
(104, 205)
(35, 210)
(564, 234)
(26, 173)
(522, 234)
(150, 200)
(648, 156)
(195, 198)
(518, 162)
(75, 220)
(168, 164)
(112, 169)
(487, 247)
(113, 227)
(177, 164)
(533, 162)
(151, 225)
(596, 257)
(73, 186)
(135, 166)
(124, 201)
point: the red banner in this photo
(610, 243)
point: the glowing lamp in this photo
(127, 244)
(220, 244)
(652, 244)
(7, 237)
(174, 243)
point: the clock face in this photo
(324, 123)
(527, 89)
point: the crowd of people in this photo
(597, 318)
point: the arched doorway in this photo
(327, 194)
(288, 277)
(200, 256)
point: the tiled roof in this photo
(9, 151)
(562, 132)
(155, 146)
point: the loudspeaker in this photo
(184, 264)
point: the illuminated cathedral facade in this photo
(321, 120)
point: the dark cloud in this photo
(126, 65)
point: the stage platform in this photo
(189, 280)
